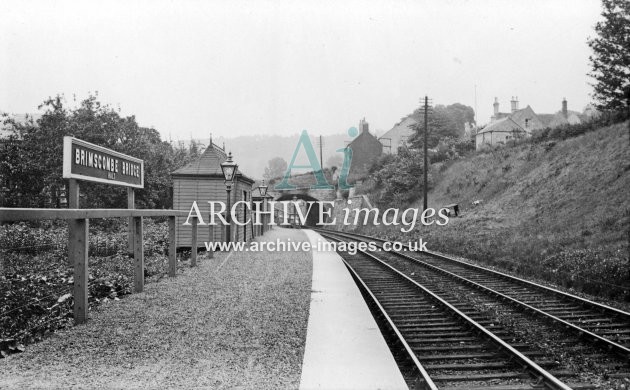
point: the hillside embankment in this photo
(556, 210)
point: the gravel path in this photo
(236, 321)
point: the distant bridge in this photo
(308, 195)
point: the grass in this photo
(556, 211)
(236, 321)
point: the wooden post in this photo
(73, 203)
(73, 194)
(78, 241)
(193, 246)
(210, 239)
(131, 204)
(172, 247)
(138, 255)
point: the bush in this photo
(398, 177)
(36, 283)
(590, 270)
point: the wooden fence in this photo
(78, 227)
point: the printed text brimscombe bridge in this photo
(107, 163)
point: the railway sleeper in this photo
(607, 325)
(464, 377)
(477, 355)
(481, 366)
(574, 386)
(438, 328)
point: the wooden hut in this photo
(202, 181)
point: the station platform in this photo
(344, 347)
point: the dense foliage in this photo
(451, 148)
(276, 168)
(36, 284)
(610, 61)
(443, 122)
(547, 210)
(31, 158)
(397, 179)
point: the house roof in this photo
(502, 125)
(401, 128)
(546, 118)
(501, 115)
(558, 119)
(521, 114)
(208, 164)
(364, 136)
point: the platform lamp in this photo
(262, 191)
(229, 168)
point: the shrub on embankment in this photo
(558, 210)
(36, 281)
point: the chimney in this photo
(363, 126)
(565, 112)
(514, 103)
(496, 106)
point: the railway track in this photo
(599, 324)
(452, 346)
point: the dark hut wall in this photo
(203, 189)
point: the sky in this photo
(231, 68)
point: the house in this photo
(399, 135)
(520, 123)
(202, 181)
(562, 117)
(366, 149)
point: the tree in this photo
(276, 168)
(31, 162)
(396, 177)
(461, 114)
(610, 61)
(442, 123)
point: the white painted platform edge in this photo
(344, 347)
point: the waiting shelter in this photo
(202, 180)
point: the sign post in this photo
(131, 204)
(85, 161)
(88, 162)
(73, 203)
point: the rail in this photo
(609, 344)
(525, 282)
(536, 371)
(424, 381)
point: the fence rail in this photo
(78, 242)
(23, 214)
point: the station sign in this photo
(85, 161)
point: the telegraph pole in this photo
(426, 159)
(321, 159)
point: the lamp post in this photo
(295, 198)
(262, 191)
(229, 168)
